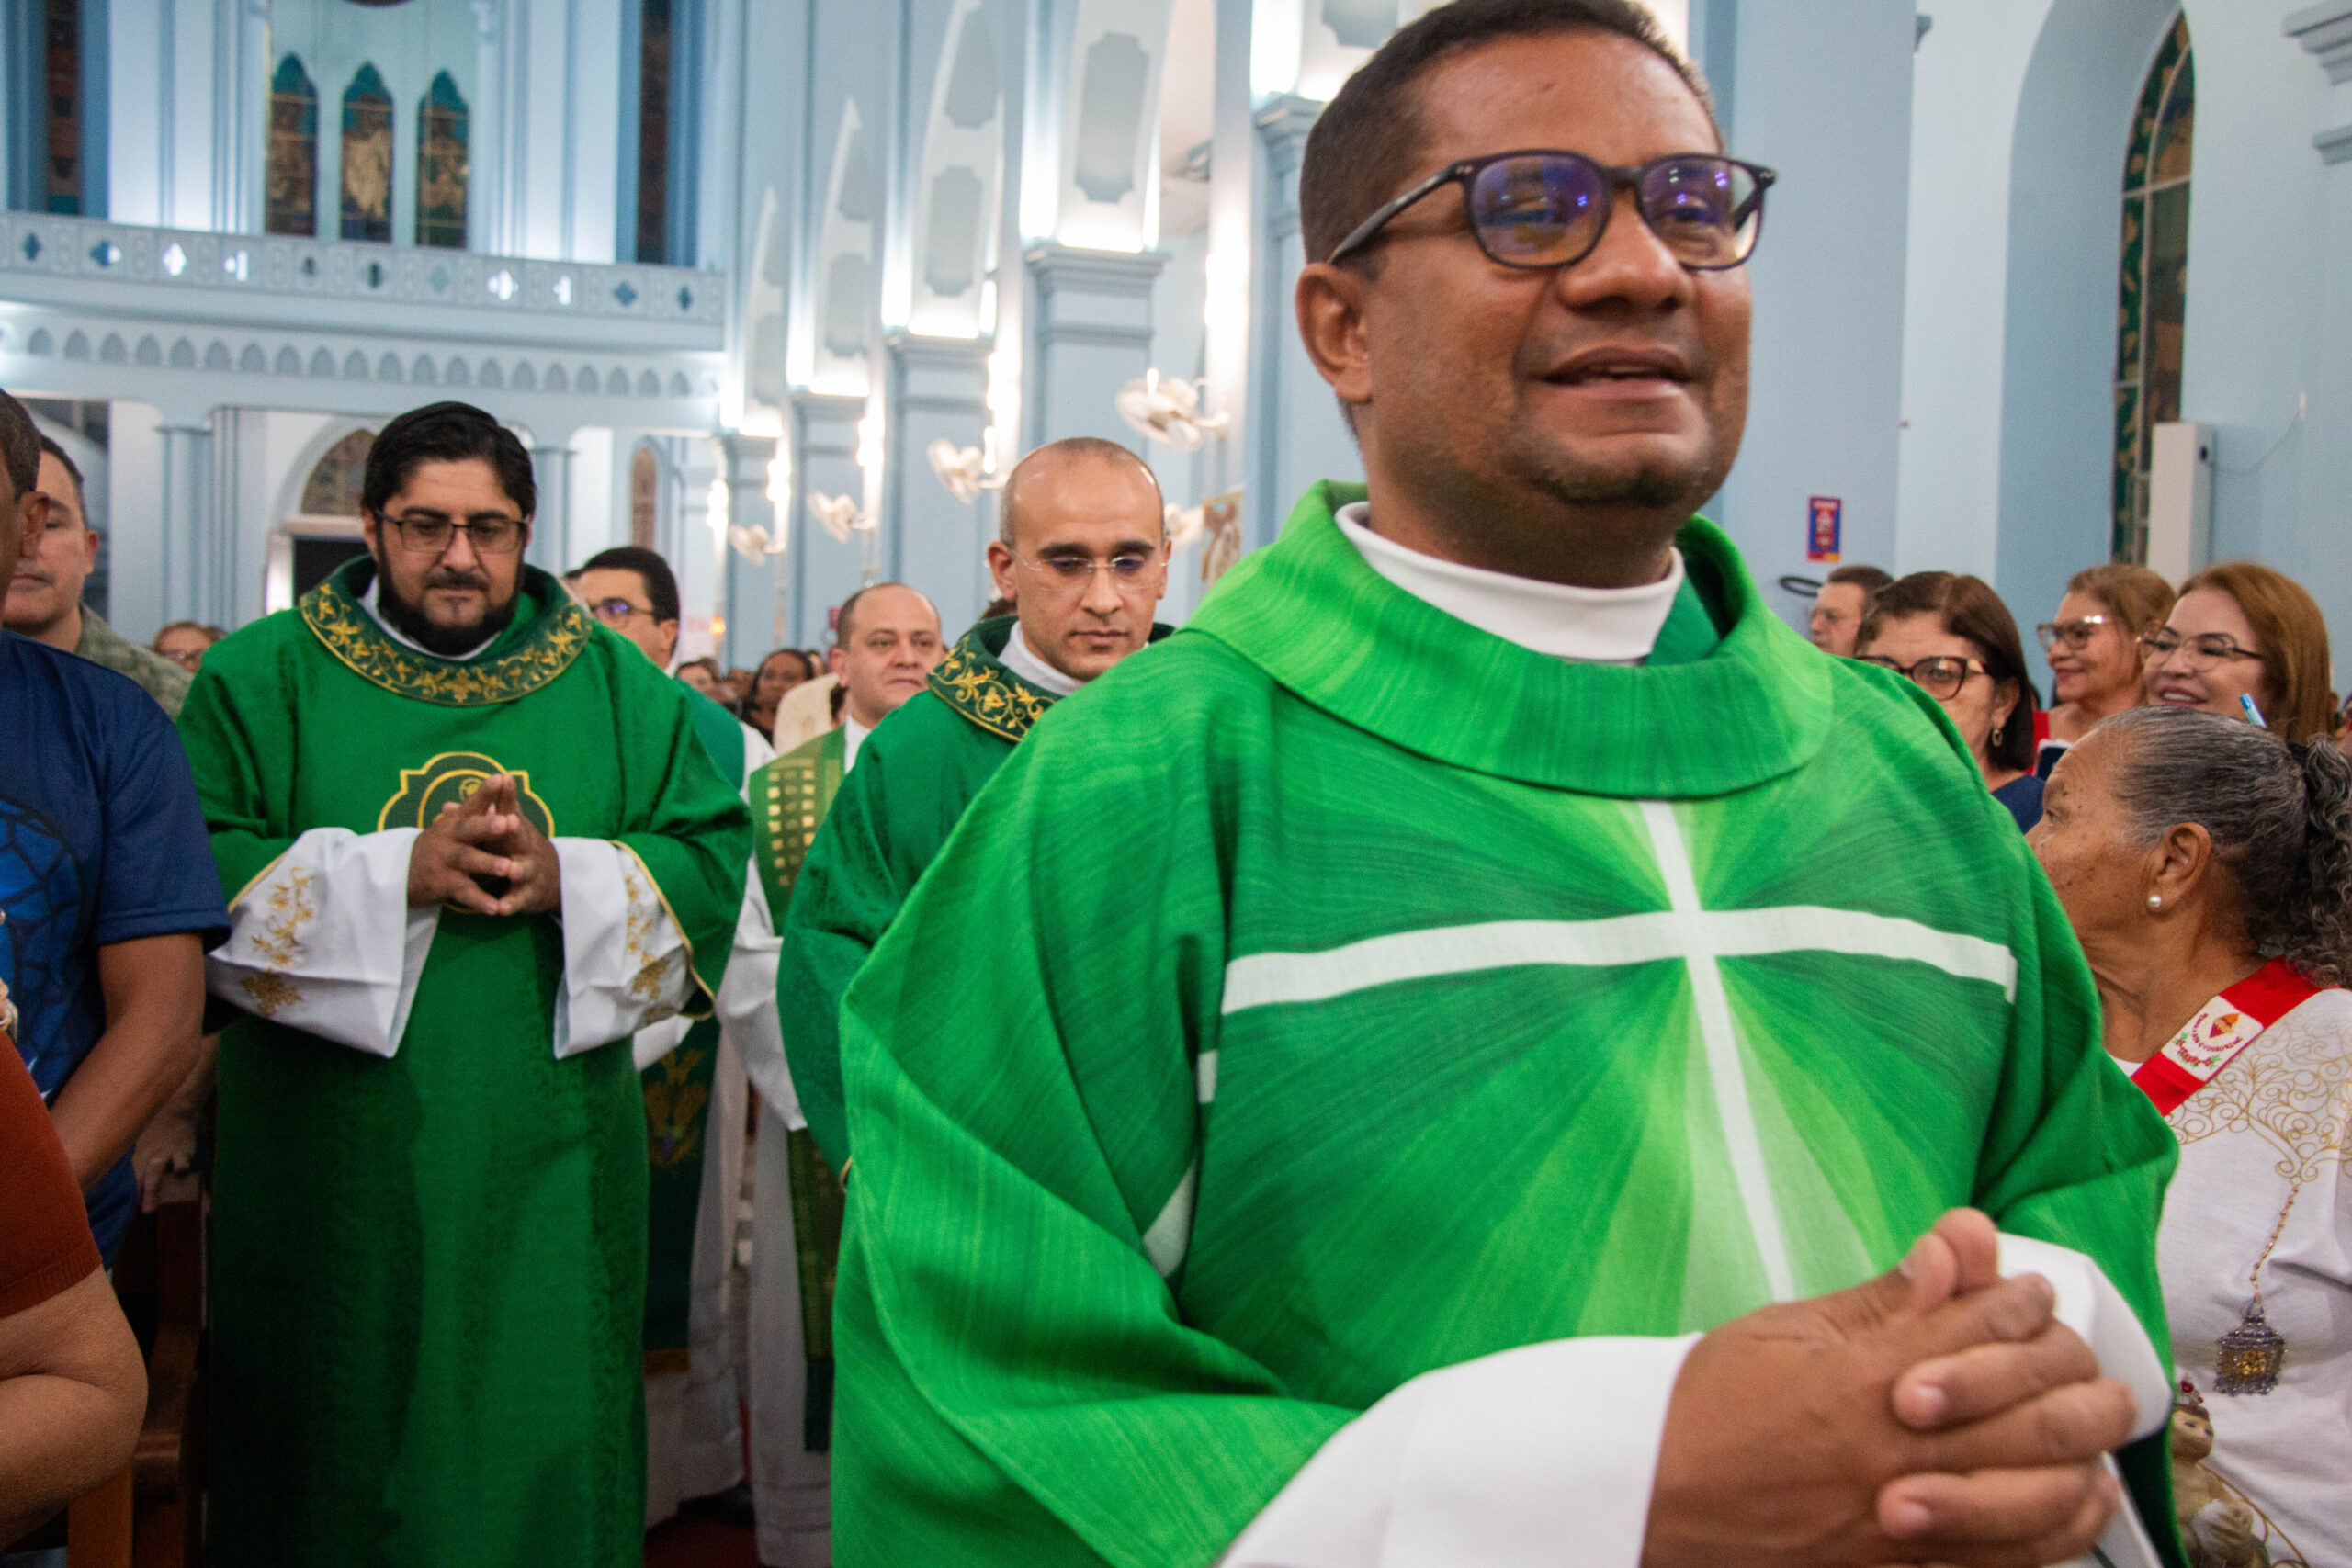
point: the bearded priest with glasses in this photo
(1485, 1049)
(476, 847)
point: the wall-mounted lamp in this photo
(965, 470)
(840, 515)
(1170, 410)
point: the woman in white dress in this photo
(2207, 867)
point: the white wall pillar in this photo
(747, 596)
(938, 391)
(551, 524)
(1091, 334)
(189, 551)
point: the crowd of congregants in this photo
(1482, 1049)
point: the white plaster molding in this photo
(2325, 30)
(2325, 33)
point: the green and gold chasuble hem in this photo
(534, 654)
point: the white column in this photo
(189, 547)
(240, 114)
(551, 524)
(747, 596)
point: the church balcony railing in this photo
(94, 308)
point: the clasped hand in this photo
(1936, 1415)
(484, 839)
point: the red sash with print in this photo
(2223, 1028)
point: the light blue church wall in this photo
(1821, 92)
(2024, 120)
(2057, 442)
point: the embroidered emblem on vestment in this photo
(450, 779)
(673, 1108)
(987, 694)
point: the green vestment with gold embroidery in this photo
(915, 776)
(428, 1269)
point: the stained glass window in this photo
(62, 67)
(292, 199)
(367, 158)
(653, 133)
(2152, 307)
(332, 489)
(644, 496)
(441, 165)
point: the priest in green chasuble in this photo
(476, 846)
(1083, 553)
(695, 1090)
(1486, 1048)
(885, 642)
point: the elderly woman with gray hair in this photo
(2206, 864)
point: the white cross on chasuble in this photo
(1687, 932)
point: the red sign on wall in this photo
(1824, 532)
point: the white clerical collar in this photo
(1587, 626)
(852, 733)
(1022, 660)
(367, 602)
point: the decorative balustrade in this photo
(90, 308)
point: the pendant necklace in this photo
(2250, 1354)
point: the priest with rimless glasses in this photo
(476, 846)
(1485, 1049)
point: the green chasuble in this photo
(915, 776)
(1344, 993)
(677, 1118)
(428, 1269)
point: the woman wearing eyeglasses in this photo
(2242, 631)
(1951, 635)
(2095, 652)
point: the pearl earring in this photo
(2155, 901)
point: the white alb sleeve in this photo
(1548, 1453)
(1540, 1455)
(747, 1008)
(626, 963)
(324, 940)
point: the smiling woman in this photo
(2243, 632)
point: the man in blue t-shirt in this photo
(108, 896)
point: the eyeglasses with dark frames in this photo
(2204, 651)
(1942, 676)
(427, 535)
(1544, 209)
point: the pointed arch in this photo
(368, 157)
(442, 164)
(292, 200)
(2153, 290)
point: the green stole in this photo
(790, 797)
(677, 1115)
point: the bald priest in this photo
(1083, 553)
(1487, 1050)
